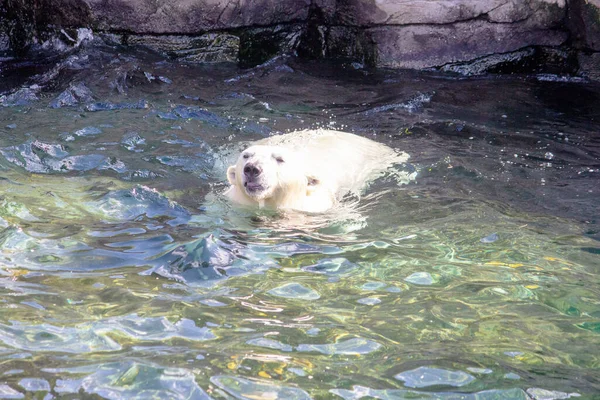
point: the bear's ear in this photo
(312, 183)
(231, 174)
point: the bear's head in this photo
(271, 175)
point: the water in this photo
(125, 274)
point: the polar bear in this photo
(307, 170)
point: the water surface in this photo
(124, 273)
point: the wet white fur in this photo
(319, 167)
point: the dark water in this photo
(124, 274)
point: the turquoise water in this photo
(125, 274)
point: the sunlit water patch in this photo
(468, 272)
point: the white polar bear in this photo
(307, 170)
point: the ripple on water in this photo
(133, 380)
(109, 106)
(295, 290)
(369, 301)
(426, 376)
(46, 337)
(355, 346)
(154, 328)
(35, 385)
(44, 158)
(95, 336)
(128, 205)
(242, 388)
(132, 141)
(420, 278)
(360, 392)
(6, 392)
(198, 163)
(65, 254)
(72, 240)
(332, 266)
(209, 260)
(193, 113)
(76, 93)
(269, 344)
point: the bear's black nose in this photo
(252, 171)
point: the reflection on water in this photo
(125, 274)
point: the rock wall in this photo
(584, 25)
(444, 34)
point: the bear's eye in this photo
(246, 155)
(279, 159)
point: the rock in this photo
(528, 60)
(584, 22)
(411, 12)
(258, 45)
(193, 16)
(590, 65)
(26, 22)
(425, 46)
(210, 47)
(21, 97)
(466, 36)
(351, 43)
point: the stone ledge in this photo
(193, 16)
(424, 46)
